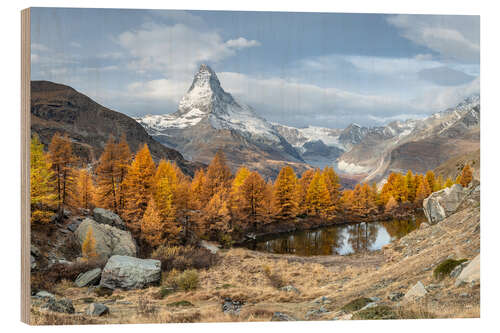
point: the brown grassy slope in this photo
(453, 167)
(241, 275)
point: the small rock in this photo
(417, 291)
(32, 262)
(464, 295)
(210, 246)
(44, 294)
(375, 299)
(91, 277)
(289, 289)
(97, 309)
(395, 296)
(322, 300)
(280, 316)
(231, 307)
(457, 270)
(433, 286)
(62, 305)
(316, 312)
(347, 316)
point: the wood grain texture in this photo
(25, 165)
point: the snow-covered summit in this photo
(207, 100)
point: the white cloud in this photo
(75, 44)
(241, 43)
(39, 47)
(35, 58)
(452, 36)
(176, 50)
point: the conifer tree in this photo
(438, 184)
(423, 190)
(88, 245)
(236, 199)
(63, 160)
(303, 184)
(286, 194)
(197, 190)
(42, 186)
(84, 189)
(465, 176)
(318, 197)
(411, 187)
(138, 188)
(217, 177)
(431, 180)
(111, 171)
(215, 218)
(347, 201)
(332, 181)
(253, 194)
(152, 226)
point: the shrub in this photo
(103, 291)
(188, 280)
(356, 304)
(183, 258)
(445, 267)
(181, 303)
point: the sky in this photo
(298, 69)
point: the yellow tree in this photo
(411, 186)
(347, 201)
(42, 188)
(466, 176)
(197, 189)
(111, 171)
(286, 194)
(431, 180)
(63, 160)
(218, 176)
(138, 188)
(303, 183)
(152, 231)
(318, 200)
(253, 194)
(165, 185)
(84, 189)
(88, 245)
(332, 181)
(235, 196)
(215, 219)
(423, 190)
(438, 184)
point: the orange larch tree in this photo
(318, 201)
(286, 194)
(85, 189)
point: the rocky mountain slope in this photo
(209, 119)
(419, 145)
(59, 108)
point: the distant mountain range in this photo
(208, 119)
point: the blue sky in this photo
(300, 69)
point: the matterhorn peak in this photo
(205, 78)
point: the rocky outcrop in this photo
(109, 240)
(130, 273)
(470, 273)
(91, 277)
(441, 204)
(63, 305)
(280, 316)
(105, 216)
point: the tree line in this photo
(158, 201)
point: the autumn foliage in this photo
(162, 206)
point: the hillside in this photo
(59, 108)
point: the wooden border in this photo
(25, 165)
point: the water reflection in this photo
(340, 239)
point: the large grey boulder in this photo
(109, 240)
(91, 277)
(105, 216)
(130, 273)
(470, 273)
(441, 204)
